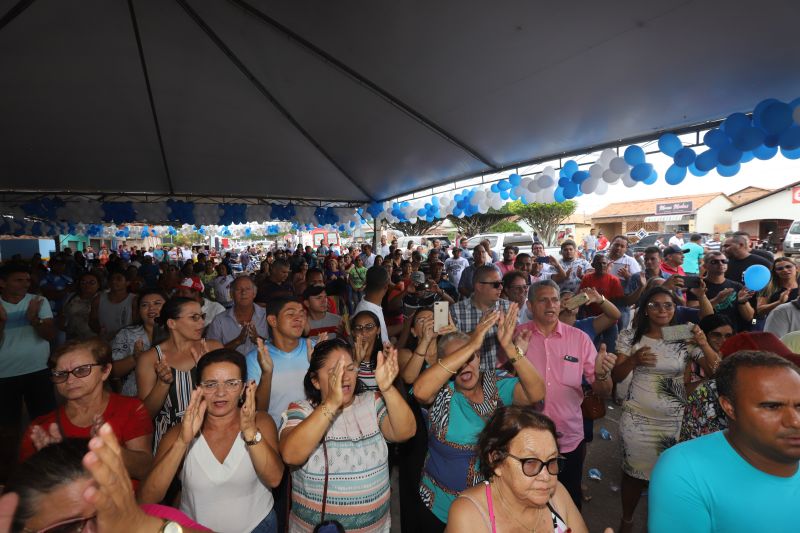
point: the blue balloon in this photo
(776, 118)
(772, 140)
(791, 154)
(747, 157)
(634, 155)
(514, 179)
(728, 170)
(697, 172)
(706, 161)
(562, 182)
(504, 195)
(748, 138)
(494, 188)
(765, 153)
(684, 157)
(570, 168)
(651, 179)
(790, 139)
(503, 185)
(758, 111)
(580, 176)
(641, 171)
(675, 174)
(571, 191)
(729, 155)
(558, 195)
(736, 123)
(669, 143)
(715, 139)
(756, 277)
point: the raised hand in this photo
(193, 417)
(721, 296)
(579, 272)
(594, 296)
(335, 397)
(644, 356)
(744, 295)
(700, 291)
(252, 332)
(97, 423)
(138, 348)
(42, 438)
(605, 361)
(487, 321)
(32, 314)
(387, 368)
(264, 359)
(247, 413)
(163, 372)
(506, 324)
(784, 297)
(521, 341)
(360, 349)
(699, 337)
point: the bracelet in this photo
(327, 412)
(603, 300)
(448, 370)
(519, 356)
(419, 354)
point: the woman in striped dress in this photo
(339, 434)
(165, 373)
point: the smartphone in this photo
(681, 332)
(691, 282)
(576, 301)
(441, 315)
(543, 260)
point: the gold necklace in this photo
(514, 518)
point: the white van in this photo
(791, 243)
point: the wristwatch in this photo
(170, 526)
(519, 356)
(256, 439)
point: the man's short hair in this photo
(377, 279)
(742, 237)
(280, 262)
(14, 267)
(521, 257)
(483, 272)
(713, 253)
(695, 237)
(623, 237)
(236, 281)
(312, 271)
(511, 275)
(539, 285)
(652, 250)
(568, 242)
(726, 376)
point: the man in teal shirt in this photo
(692, 255)
(745, 478)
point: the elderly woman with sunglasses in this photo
(653, 409)
(461, 399)
(79, 370)
(225, 453)
(520, 463)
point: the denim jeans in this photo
(268, 525)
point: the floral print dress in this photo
(653, 409)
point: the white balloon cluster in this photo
(607, 170)
(88, 212)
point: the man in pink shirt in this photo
(563, 355)
(507, 264)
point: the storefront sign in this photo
(674, 208)
(796, 195)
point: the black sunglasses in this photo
(495, 284)
(532, 466)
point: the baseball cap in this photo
(193, 283)
(758, 340)
(669, 250)
(418, 277)
(314, 290)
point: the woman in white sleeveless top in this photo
(224, 455)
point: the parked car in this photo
(791, 243)
(426, 241)
(498, 241)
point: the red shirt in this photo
(607, 285)
(668, 269)
(127, 417)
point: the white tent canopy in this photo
(359, 101)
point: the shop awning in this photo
(667, 218)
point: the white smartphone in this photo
(441, 315)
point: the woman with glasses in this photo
(336, 441)
(79, 370)
(77, 309)
(132, 341)
(653, 408)
(223, 451)
(365, 328)
(461, 399)
(519, 462)
(165, 374)
(782, 287)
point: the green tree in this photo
(544, 218)
(420, 227)
(480, 222)
(506, 226)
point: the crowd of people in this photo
(145, 392)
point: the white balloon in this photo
(534, 186)
(602, 188)
(596, 172)
(609, 176)
(606, 156)
(628, 180)
(589, 185)
(618, 165)
(478, 196)
(549, 171)
(545, 181)
(546, 196)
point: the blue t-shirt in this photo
(691, 259)
(289, 369)
(704, 485)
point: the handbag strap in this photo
(325, 483)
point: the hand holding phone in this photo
(441, 314)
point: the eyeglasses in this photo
(718, 335)
(364, 327)
(785, 267)
(73, 525)
(229, 384)
(661, 306)
(60, 376)
(532, 466)
(197, 317)
(494, 284)
(718, 262)
(518, 287)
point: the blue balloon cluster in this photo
(123, 233)
(181, 211)
(641, 170)
(326, 216)
(46, 207)
(118, 212)
(505, 187)
(233, 214)
(465, 204)
(375, 209)
(283, 212)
